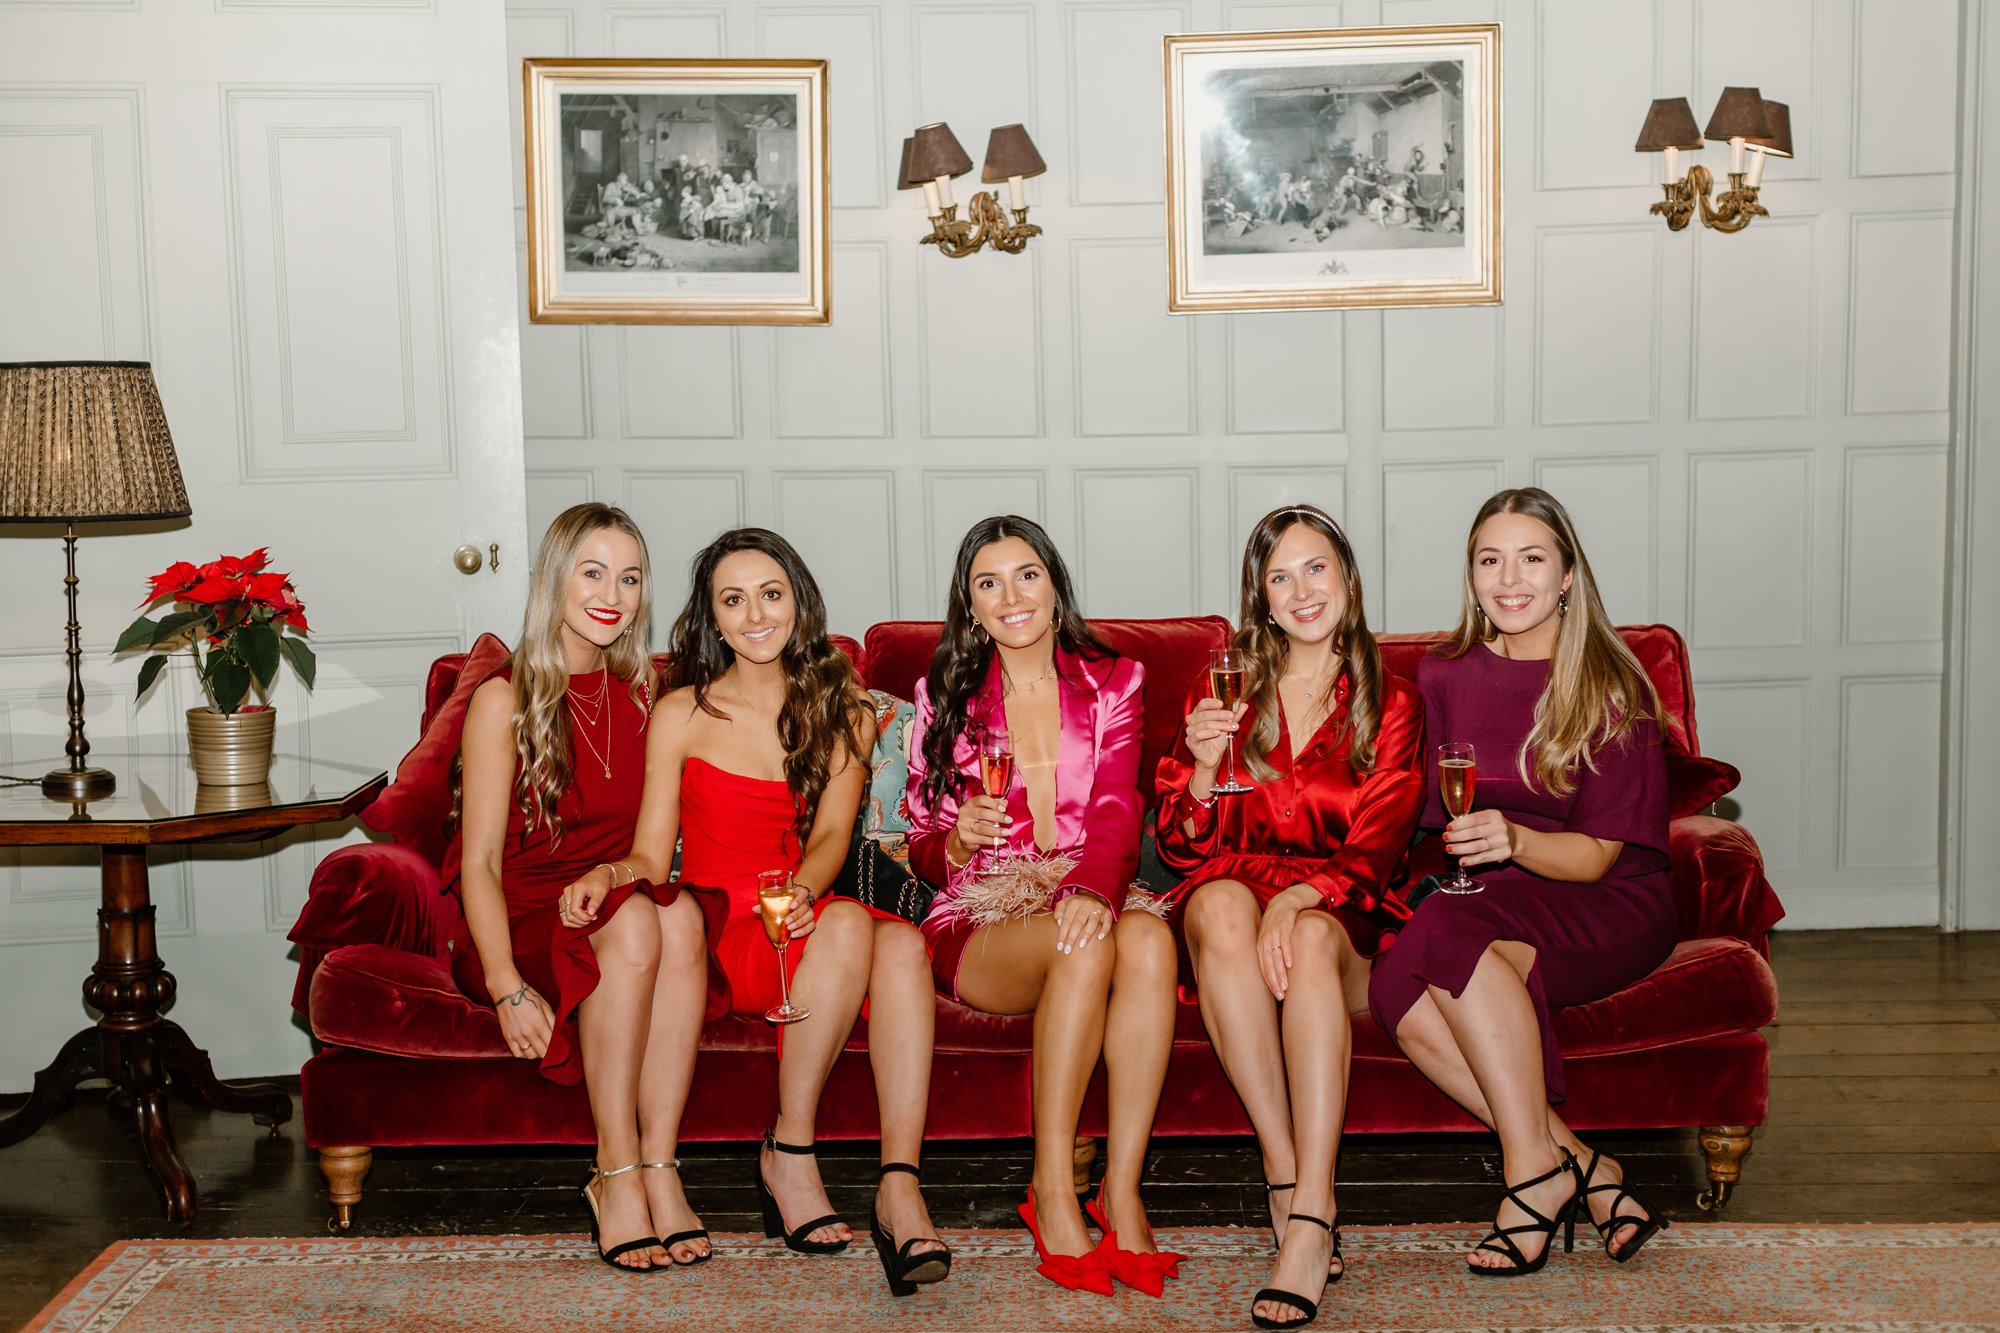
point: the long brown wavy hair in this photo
(542, 737)
(1597, 691)
(1265, 649)
(965, 652)
(825, 706)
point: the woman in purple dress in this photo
(1570, 842)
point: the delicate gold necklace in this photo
(602, 756)
(1007, 680)
(592, 705)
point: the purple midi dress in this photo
(1590, 940)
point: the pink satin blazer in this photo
(1098, 806)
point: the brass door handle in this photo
(468, 559)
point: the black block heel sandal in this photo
(1541, 1226)
(1649, 1225)
(904, 1270)
(1309, 1309)
(774, 1221)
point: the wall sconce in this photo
(932, 156)
(1756, 129)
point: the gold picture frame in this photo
(677, 191)
(1333, 169)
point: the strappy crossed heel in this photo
(1309, 1310)
(1541, 1226)
(904, 1270)
(610, 1257)
(1333, 1274)
(1649, 1224)
(774, 1220)
(667, 1243)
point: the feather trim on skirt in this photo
(1019, 885)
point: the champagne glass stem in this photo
(784, 982)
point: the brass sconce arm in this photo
(985, 225)
(1731, 211)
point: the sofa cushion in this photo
(1695, 782)
(883, 812)
(371, 893)
(375, 998)
(415, 807)
(1174, 653)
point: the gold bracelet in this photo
(606, 865)
(955, 865)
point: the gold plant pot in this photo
(231, 749)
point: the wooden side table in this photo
(133, 1044)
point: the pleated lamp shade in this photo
(1010, 152)
(85, 441)
(1739, 114)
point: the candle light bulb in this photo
(1736, 146)
(1017, 195)
(944, 190)
(1673, 156)
(1757, 159)
(931, 198)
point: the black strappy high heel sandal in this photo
(774, 1221)
(1541, 1226)
(1293, 1299)
(667, 1243)
(904, 1270)
(1332, 1274)
(610, 1257)
(1649, 1225)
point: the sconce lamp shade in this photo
(85, 441)
(1010, 152)
(935, 152)
(1739, 114)
(1669, 124)
(905, 181)
(1778, 143)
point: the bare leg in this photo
(613, 1023)
(1242, 1021)
(902, 1017)
(831, 981)
(1138, 1038)
(668, 1069)
(1012, 968)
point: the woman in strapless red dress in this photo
(552, 765)
(757, 762)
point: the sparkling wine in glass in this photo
(1225, 682)
(996, 767)
(1458, 774)
(775, 895)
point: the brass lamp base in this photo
(79, 784)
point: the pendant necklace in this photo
(602, 756)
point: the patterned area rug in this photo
(1694, 1277)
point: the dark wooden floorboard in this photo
(1885, 1107)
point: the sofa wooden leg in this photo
(1725, 1147)
(344, 1169)
(1086, 1154)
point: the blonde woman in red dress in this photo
(757, 762)
(1286, 898)
(552, 763)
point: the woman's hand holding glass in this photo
(526, 1021)
(801, 922)
(1274, 936)
(1209, 728)
(1483, 837)
(983, 822)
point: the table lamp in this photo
(84, 442)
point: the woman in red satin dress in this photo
(552, 762)
(1286, 897)
(757, 762)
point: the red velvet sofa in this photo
(406, 1060)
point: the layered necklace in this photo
(588, 711)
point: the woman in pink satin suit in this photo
(1036, 911)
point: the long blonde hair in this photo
(1597, 691)
(541, 669)
(1264, 647)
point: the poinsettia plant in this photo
(236, 617)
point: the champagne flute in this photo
(775, 895)
(1458, 774)
(1225, 682)
(996, 767)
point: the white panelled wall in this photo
(1750, 429)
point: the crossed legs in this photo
(851, 956)
(1288, 1062)
(1112, 997)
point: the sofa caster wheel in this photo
(1716, 1197)
(1725, 1147)
(344, 1169)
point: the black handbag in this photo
(876, 879)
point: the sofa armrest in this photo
(371, 893)
(393, 1002)
(1719, 884)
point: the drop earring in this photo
(1562, 602)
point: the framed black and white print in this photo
(677, 191)
(1333, 168)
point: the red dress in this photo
(598, 815)
(1316, 822)
(733, 829)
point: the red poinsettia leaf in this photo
(214, 587)
(296, 618)
(268, 589)
(255, 561)
(173, 579)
